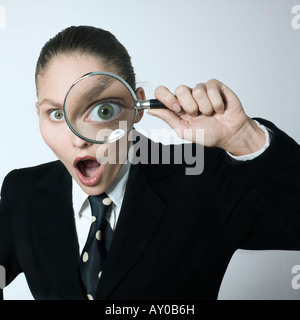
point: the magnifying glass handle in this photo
(156, 104)
(150, 104)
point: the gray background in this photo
(249, 45)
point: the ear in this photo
(140, 94)
(37, 107)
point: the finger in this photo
(186, 100)
(200, 95)
(164, 95)
(229, 97)
(215, 95)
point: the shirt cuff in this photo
(253, 155)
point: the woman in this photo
(173, 234)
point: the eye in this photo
(56, 115)
(104, 112)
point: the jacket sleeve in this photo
(8, 259)
(259, 200)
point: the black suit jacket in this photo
(176, 233)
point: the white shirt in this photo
(82, 208)
(116, 191)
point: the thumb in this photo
(167, 116)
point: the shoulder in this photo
(32, 172)
(24, 178)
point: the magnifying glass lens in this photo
(99, 108)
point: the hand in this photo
(211, 106)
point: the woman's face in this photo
(82, 159)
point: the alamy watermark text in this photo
(296, 17)
(296, 278)
(2, 277)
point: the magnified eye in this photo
(56, 115)
(104, 112)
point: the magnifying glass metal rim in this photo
(138, 105)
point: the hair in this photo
(92, 41)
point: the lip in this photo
(88, 181)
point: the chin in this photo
(92, 191)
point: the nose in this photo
(79, 143)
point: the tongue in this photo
(90, 167)
(90, 163)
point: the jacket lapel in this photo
(53, 232)
(141, 212)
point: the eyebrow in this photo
(51, 102)
(98, 88)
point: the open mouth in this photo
(88, 170)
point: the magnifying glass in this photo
(101, 107)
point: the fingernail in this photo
(176, 107)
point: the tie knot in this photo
(99, 205)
